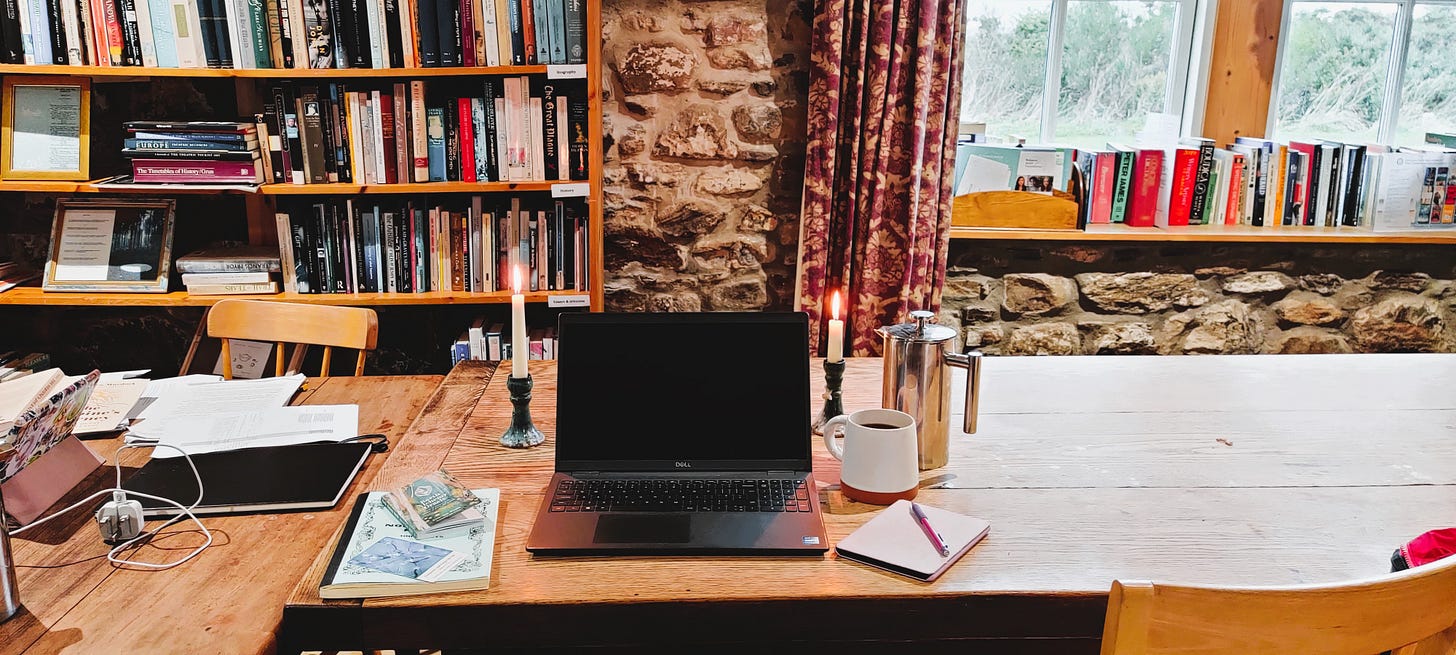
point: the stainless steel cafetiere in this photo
(918, 357)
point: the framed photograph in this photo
(45, 125)
(110, 245)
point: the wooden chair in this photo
(1408, 613)
(291, 323)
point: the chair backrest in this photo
(293, 323)
(1409, 613)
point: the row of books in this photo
(413, 246)
(492, 342)
(193, 152)
(293, 33)
(230, 271)
(15, 364)
(511, 129)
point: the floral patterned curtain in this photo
(884, 106)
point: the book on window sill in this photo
(376, 556)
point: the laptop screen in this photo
(685, 392)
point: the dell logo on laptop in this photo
(683, 465)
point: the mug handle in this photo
(830, 442)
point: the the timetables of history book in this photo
(293, 33)
(413, 245)
(497, 129)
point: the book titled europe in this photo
(376, 556)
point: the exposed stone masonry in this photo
(705, 119)
(1017, 298)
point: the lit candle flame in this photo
(834, 305)
(515, 279)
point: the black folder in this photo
(273, 478)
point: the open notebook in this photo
(894, 541)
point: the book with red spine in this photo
(1185, 173)
(115, 42)
(386, 130)
(175, 171)
(1147, 172)
(1236, 191)
(1103, 180)
(465, 118)
(467, 32)
(528, 32)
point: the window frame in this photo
(1185, 91)
(1399, 51)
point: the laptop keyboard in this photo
(694, 495)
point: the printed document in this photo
(227, 397)
(277, 426)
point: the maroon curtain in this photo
(884, 106)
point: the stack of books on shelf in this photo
(196, 152)
(13, 274)
(488, 341)
(1252, 182)
(293, 33)
(230, 271)
(415, 246)
(507, 129)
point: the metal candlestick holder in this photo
(833, 406)
(522, 433)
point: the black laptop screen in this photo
(682, 392)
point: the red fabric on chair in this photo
(1429, 547)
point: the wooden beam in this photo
(1241, 69)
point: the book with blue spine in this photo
(540, 18)
(435, 138)
(40, 31)
(556, 29)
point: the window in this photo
(1368, 71)
(1080, 72)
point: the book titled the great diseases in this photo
(376, 556)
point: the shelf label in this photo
(573, 190)
(566, 72)
(568, 301)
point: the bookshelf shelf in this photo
(37, 296)
(412, 187)
(1211, 233)
(266, 73)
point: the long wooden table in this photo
(228, 599)
(1229, 470)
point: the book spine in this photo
(447, 17)
(528, 31)
(388, 138)
(518, 37)
(1236, 189)
(1142, 205)
(238, 33)
(467, 31)
(1333, 188)
(318, 33)
(452, 142)
(408, 34)
(23, 20)
(155, 170)
(330, 144)
(486, 138)
(279, 42)
(1352, 194)
(435, 130)
(1200, 185)
(419, 141)
(58, 20)
(365, 107)
(258, 34)
(536, 115)
(465, 128)
(190, 155)
(480, 139)
(376, 136)
(575, 32)
(370, 55)
(489, 33)
(403, 163)
(550, 139)
(343, 137)
(428, 21)
(1104, 178)
(35, 32)
(540, 18)
(299, 32)
(94, 32)
(159, 36)
(310, 117)
(392, 35)
(115, 40)
(1185, 171)
(577, 117)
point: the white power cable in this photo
(186, 512)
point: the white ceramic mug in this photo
(879, 454)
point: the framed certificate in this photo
(110, 245)
(45, 127)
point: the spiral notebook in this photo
(894, 541)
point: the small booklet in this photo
(433, 505)
(894, 541)
(377, 556)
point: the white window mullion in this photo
(1395, 73)
(1272, 120)
(1052, 92)
(1180, 58)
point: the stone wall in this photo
(1025, 298)
(704, 111)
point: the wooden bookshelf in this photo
(1209, 233)
(268, 73)
(37, 296)
(411, 187)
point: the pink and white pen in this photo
(935, 538)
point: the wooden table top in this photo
(1254, 470)
(229, 598)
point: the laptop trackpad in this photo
(641, 529)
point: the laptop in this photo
(681, 433)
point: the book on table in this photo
(377, 556)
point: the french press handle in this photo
(970, 361)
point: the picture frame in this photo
(110, 245)
(45, 128)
